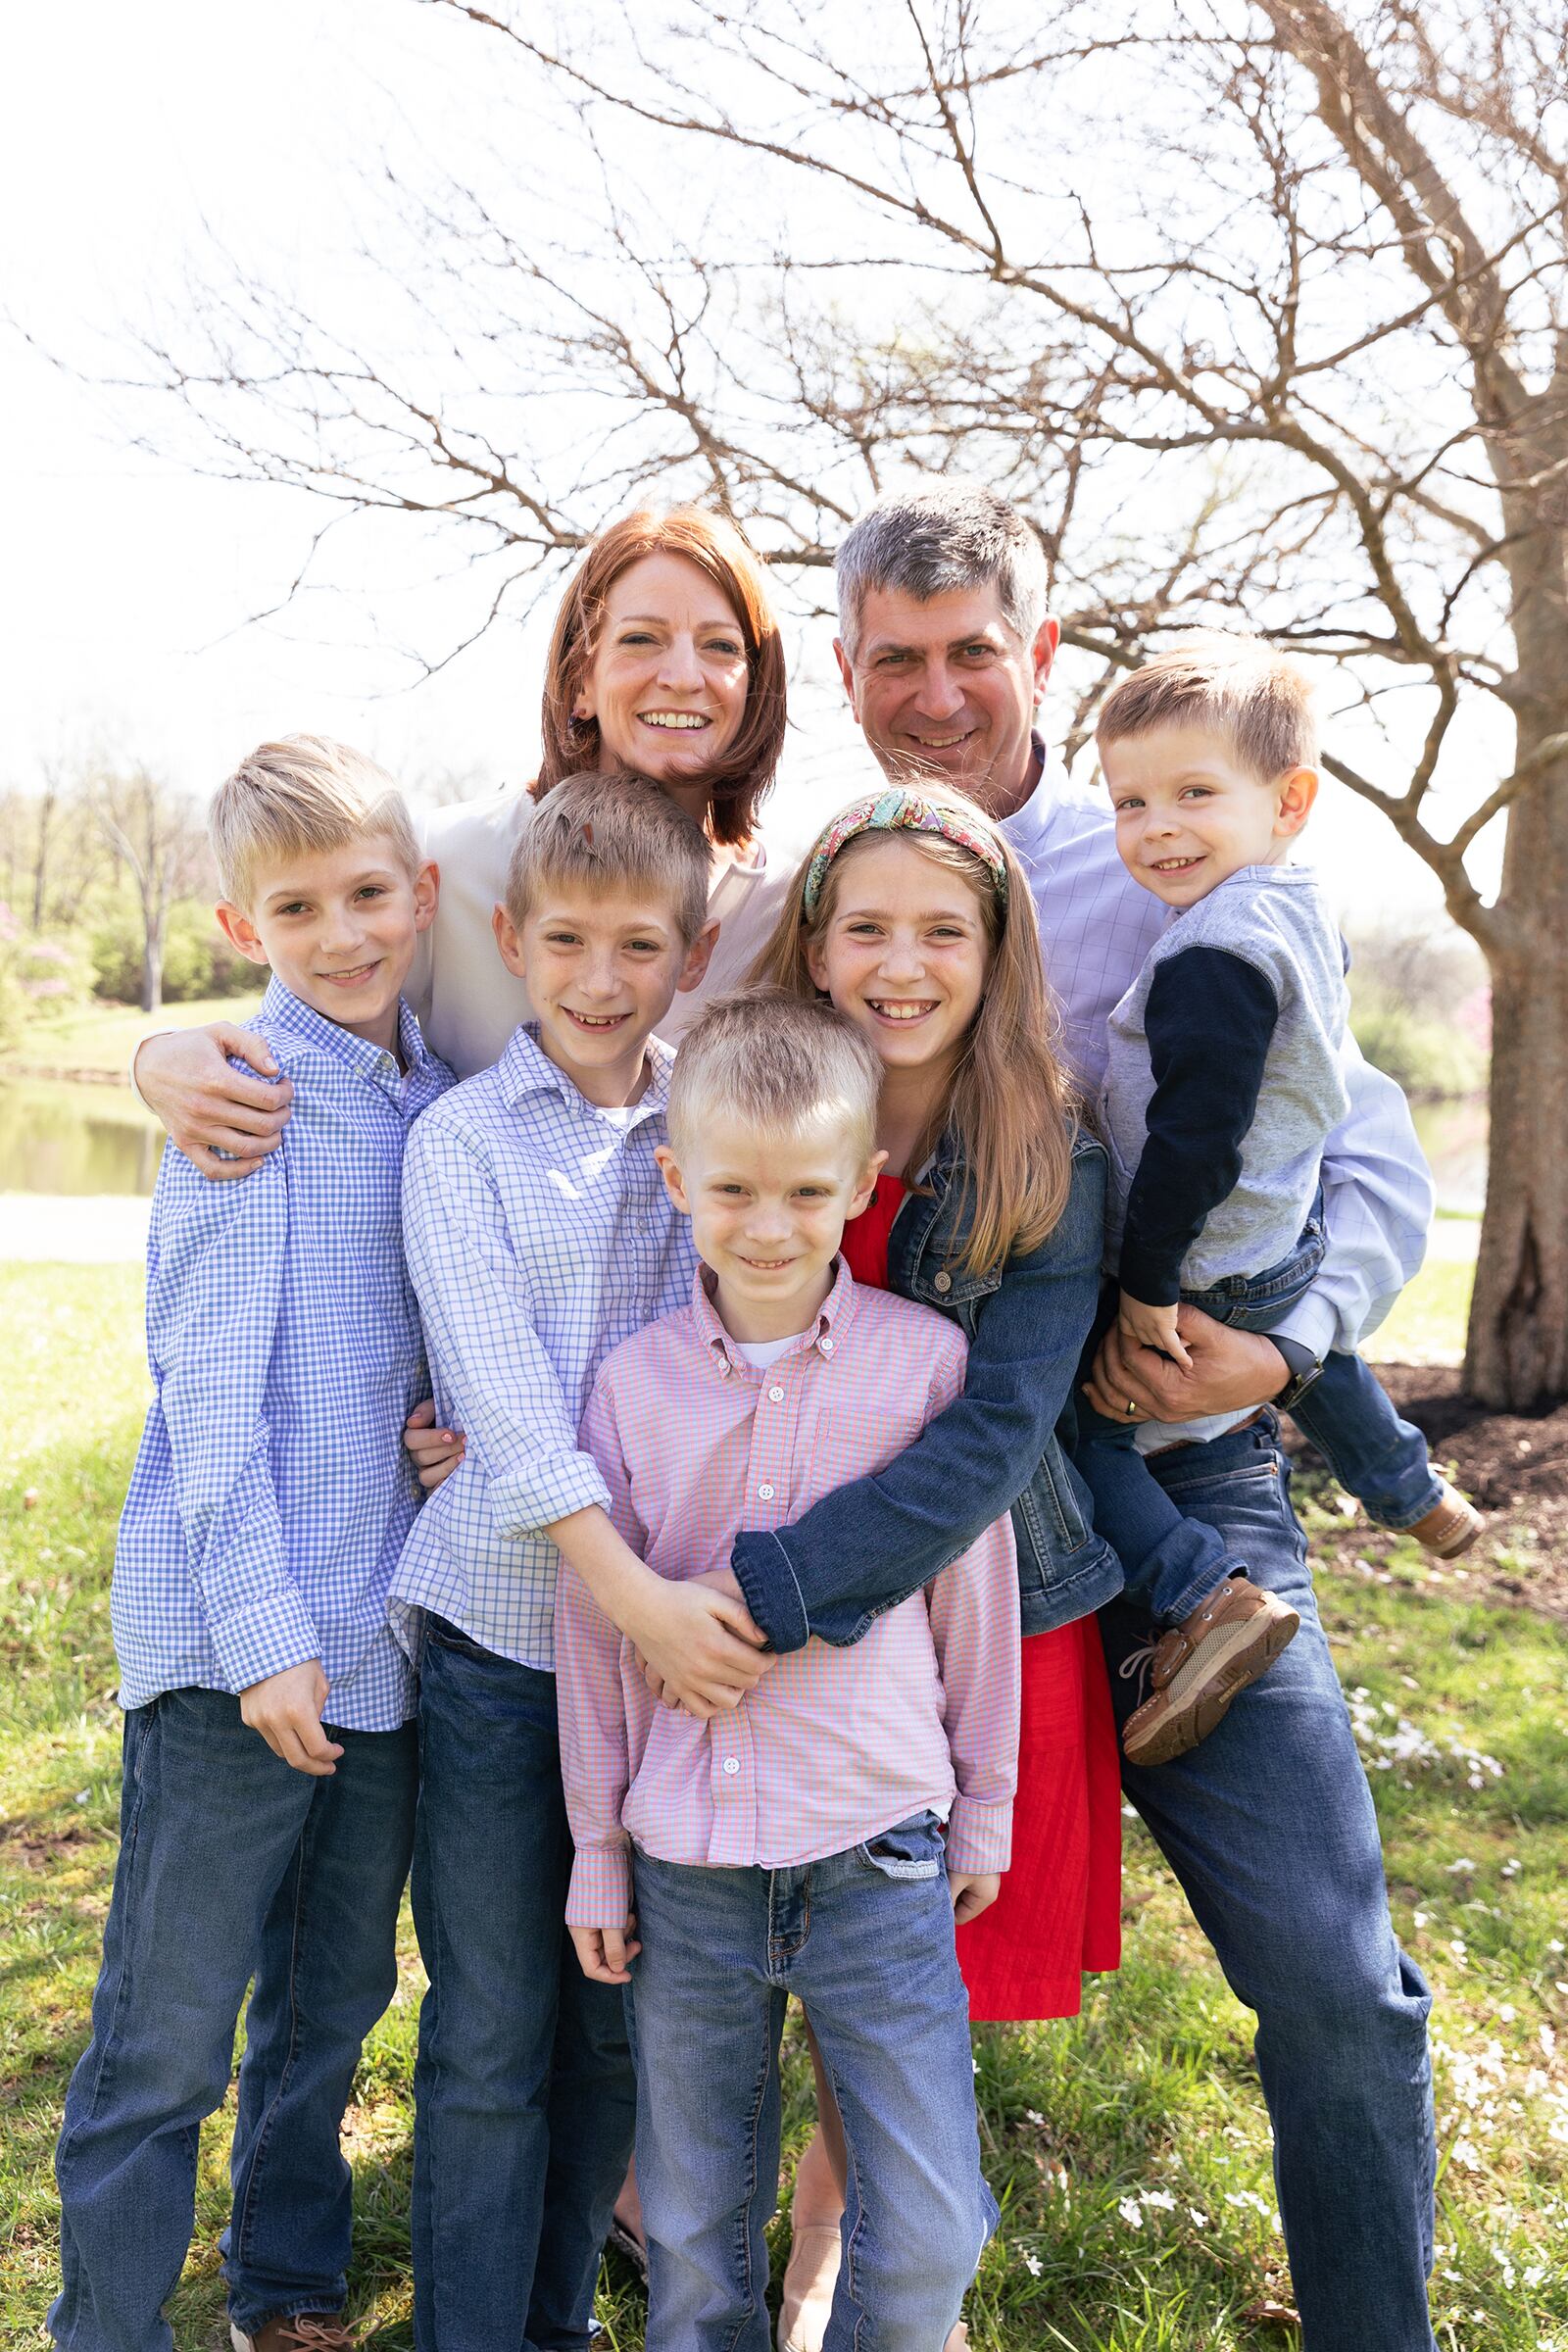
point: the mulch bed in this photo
(1513, 1467)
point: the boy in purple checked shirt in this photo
(819, 1838)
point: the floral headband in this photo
(900, 806)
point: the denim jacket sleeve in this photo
(869, 1544)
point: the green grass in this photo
(1428, 1321)
(99, 1038)
(1148, 2106)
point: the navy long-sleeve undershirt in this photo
(1208, 1019)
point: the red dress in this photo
(1059, 1909)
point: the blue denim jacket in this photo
(1001, 1446)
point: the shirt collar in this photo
(827, 1333)
(525, 1069)
(291, 1017)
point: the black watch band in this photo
(1303, 1367)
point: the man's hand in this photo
(1144, 1326)
(605, 1954)
(973, 1891)
(436, 1452)
(698, 1644)
(1228, 1372)
(207, 1106)
(286, 1709)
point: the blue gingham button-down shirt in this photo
(539, 1236)
(272, 1492)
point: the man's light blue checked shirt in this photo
(539, 1236)
(272, 1492)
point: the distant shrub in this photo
(198, 961)
(1429, 1057)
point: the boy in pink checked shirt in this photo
(796, 1844)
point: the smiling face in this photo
(338, 928)
(949, 686)
(668, 677)
(904, 952)
(602, 969)
(1189, 815)
(768, 1212)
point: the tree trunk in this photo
(152, 967)
(1517, 1354)
(1517, 1350)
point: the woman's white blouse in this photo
(466, 1001)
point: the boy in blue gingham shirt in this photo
(270, 1755)
(539, 1235)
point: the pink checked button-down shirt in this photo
(834, 1746)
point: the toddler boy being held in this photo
(270, 1762)
(1223, 1082)
(795, 1845)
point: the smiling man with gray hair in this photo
(946, 648)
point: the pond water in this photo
(79, 1139)
(76, 1141)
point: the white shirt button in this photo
(732, 1765)
(826, 1347)
(775, 1396)
(766, 1494)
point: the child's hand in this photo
(605, 1954)
(973, 1891)
(436, 1452)
(698, 1644)
(1151, 1326)
(286, 1709)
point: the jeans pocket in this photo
(916, 1848)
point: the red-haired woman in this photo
(666, 657)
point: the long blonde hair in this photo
(1011, 1104)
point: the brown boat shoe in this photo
(1196, 1668)
(1450, 1527)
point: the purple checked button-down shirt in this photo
(834, 1746)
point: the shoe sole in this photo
(1201, 1692)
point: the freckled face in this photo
(668, 678)
(903, 954)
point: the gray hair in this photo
(942, 536)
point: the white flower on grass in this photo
(1200, 2221)
(1033, 2265)
(1157, 2196)
(1464, 1863)
(1032, 2115)
(1466, 2153)
(1132, 2213)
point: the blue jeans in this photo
(864, 1938)
(230, 1862)
(1380, 1459)
(524, 2099)
(1269, 1827)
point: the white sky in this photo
(132, 136)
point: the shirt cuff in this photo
(771, 1589)
(1312, 1322)
(979, 1835)
(552, 1487)
(265, 1637)
(145, 1039)
(600, 1893)
(1149, 1278)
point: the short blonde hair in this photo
(780, 1062)
(303, 792)
(613, 832)
(1238, 687)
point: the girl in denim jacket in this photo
(914, 916)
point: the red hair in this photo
(719, 547)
